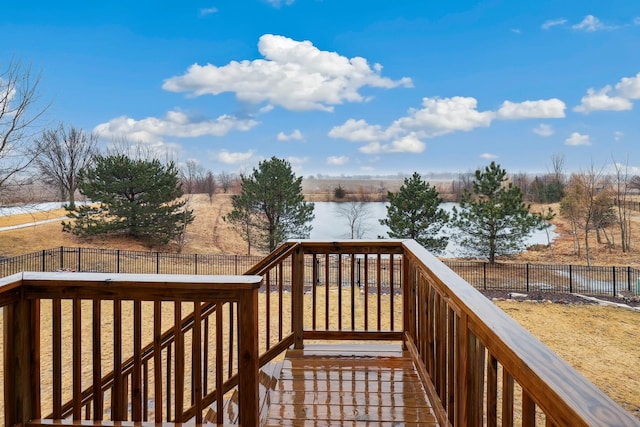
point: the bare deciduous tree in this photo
(356, 215)
(225, 180)
(210, 185)
(191, 174)
(19, 112)
(622, 184)
(583, 205)
(64, 152)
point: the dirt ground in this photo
(600, 342)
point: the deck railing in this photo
(74, 346)
(478, 366)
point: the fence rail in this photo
(561, 278)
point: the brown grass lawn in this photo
(600, 342)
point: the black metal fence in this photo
(597, 280)
(122, 261)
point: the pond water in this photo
(330, 224)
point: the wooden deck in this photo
(340, 385)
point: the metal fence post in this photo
(61, 257)
(44, 265)
(527, 277)
(629, 278)
(157, 262)
(613, 270)
(118, 261)
(79, 260)
(570, 279)
(195, 259)
(484, 275)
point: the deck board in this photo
(331, 385)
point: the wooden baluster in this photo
(528, 410)
(136, 377)
(280, 300)
(326, 298)
(179, 363)
(507, 399)
(365, 284)
(77, 359)
(267, 320)
(340, 292)
(314, 292)
(441, 346)
(157, 360)
(492, 391)
(57, 357)
(464, 389)
(452, 351)
(196, 361)
(117, 395)
(98, 393)
(379, 292)
(353, 292)
(392, 321)
(219, 364)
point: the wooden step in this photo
(268, 379)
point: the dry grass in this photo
(601, 343)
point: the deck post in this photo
(22, 361)
(248, 363)
(297, 298)
(408, 301)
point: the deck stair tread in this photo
(347, 385)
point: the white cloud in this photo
(601, 100)
(440, 116)
(636, 20)
(208, 11)
(488, 156)
(590, 24)
(294, 75)
(629, 87)
(296, 135)
(406, 144)
(578, 139)
(553, 23)
(618, 135)
(230, 158)
(174, 124)
(358, 131)
(337, 160)
(543, 130)
(540, 109)
(516, 31)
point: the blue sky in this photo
(343, 87)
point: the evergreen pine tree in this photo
(494, 220)
(271, 200)
(139, 198)
(414, 212)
